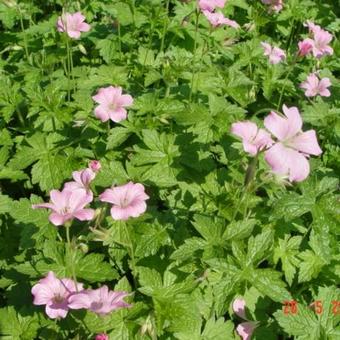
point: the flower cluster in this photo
(61, 295)
(127, 200)
(215, 18)
(288, 153)
(274, 54)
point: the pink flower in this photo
(82, 180)
(111, 104)
(54, 293)
(305, 47)
(275, 54)
(210, 5)
(320, 41)
(288, 156)
(314, 86)
(100, 301)
(67, 205)
(73, 24)
(239, 306)
(127, 200)
(246, 329)
(218, 19)
(274, 5)
(102, 336)
(95, 166)
(253, 138)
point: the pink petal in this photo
(277, 125)
(239, 306)
(44, 205)
(84, 214)
(58, 219)
(294, 120)
(125, 100)
(118, 115)
(288, 162)
(307, 143)
(108, 196)
(79, 301)
(56, 313)
(246, 329)
(101, 112)
(84, 27)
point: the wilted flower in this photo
(210, 5)
(112, 104)
(66, 205)
(274, 5)
(253, 138)
(218, 19)
(275, 54)
(305, 47)
(239, 306)
(315, 86)
(54, 293)
(102, 336)
(127, 200)
(289, 155)
(82, 180)
(100, 301)
(73, 24)
(95, 165)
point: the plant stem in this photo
(24, 34)
(165, 25)
(194, 55)
(72, 253)
(131, 253)
(119, 40)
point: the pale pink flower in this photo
(305, 47)
(246, 329)
(274, 5)
(54, 293)
(66, 205)
(112, 104)
(275, 54)
(321, 40)
(102, 336)
(82, 180)
(253, 138)
(73, 24)
(210, 5)
(218, 19)
(95, 166)
(315, 86)
(127, 200)
(100, 301)
(288, 156)
(312, 27)
(239, 306)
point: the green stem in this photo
(119, 40)
(194, 55)
(131, 253)
(285, 82)
(165, 25)
(72, 253)
(24, 34)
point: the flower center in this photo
(64, 211)
(58, 299)
(96, 305)
(124, 202)
(112, 107)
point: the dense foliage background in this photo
(205, 238)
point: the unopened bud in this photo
(82, 49)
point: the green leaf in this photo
(258, 246)
(239, 230)
(310, 266)
(93, 268)
(287, 251)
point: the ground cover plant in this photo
(169, 169)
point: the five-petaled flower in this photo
(253, 138)
(210, 5)
(72, 24)
(82, 180)
(275, 54)
(314, 86)
(288, 156)
(55, 294)
(66, 205)
(100, 301)
(127, 200)
(112, 104)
